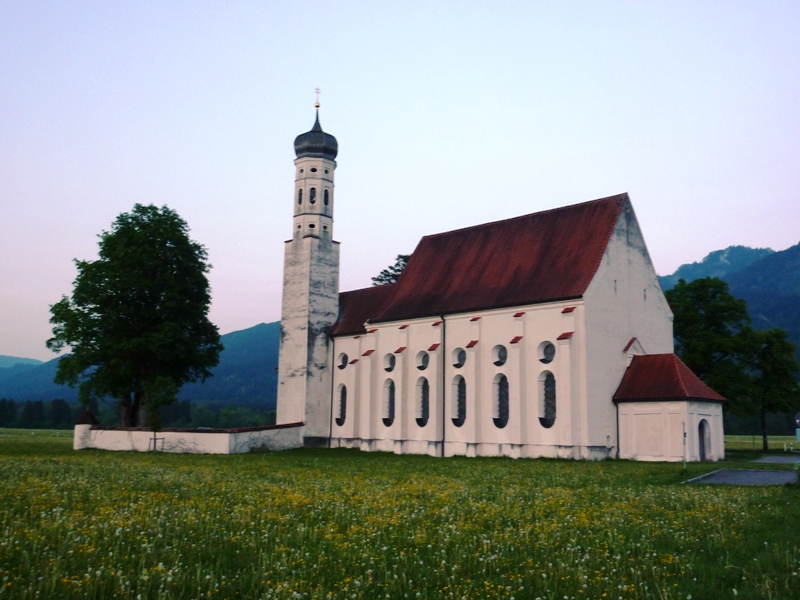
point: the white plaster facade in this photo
(655, 431)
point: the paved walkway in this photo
(745, 477)
(780, 459)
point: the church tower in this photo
(310, 304)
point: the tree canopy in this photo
(137, 323)
(755, 370)
(392, 272)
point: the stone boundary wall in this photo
(191, 441)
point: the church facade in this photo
(543, 335)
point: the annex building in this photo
(543, 335)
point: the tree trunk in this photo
(130, 408)
(764, 440)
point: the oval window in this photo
(313, 169)
(547, 352)
(389, 361)
(423, 359)
(459, 357)
(499, 355)
(343, 360)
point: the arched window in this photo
(312, 195)
(423, 401)
(300, 196)
(342, 405)
(500, 404)
(325, 197)
(388, 402)
(459, 394)
(547, 399)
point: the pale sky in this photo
(448, 114)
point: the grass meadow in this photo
(344, 524)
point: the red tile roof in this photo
(475, 319)
(519, 314)
(569, 309)
(433, 347)
(368, 352)
(356, 307)
(566, 335)
(472, 344)
(516, 339)
(400, 349)
(541, 257)
(662, 377)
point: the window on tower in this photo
(300, 196)
(312, 195)
(325, 197)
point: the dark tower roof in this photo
(316, 143)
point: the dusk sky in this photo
(448, 114)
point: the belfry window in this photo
(325, 197)
(340, 419)
(300, 196)
(459, 392)
(423, 401)
(312, 195)
(388, 403)
(500, 405)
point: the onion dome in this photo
(316, 143)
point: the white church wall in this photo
(624, 300)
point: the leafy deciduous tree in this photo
(137, 322)
(755, 370)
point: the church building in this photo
(543, 335)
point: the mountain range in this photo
(768, 281)
(247, 371)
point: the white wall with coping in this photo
(653, 431)
(190, 441)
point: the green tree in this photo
(60, 414)
(772, 367)
(392, 272)
(137, 323)
(755, 370)
(706, 327)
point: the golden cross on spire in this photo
(317, 91)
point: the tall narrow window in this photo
(312, 195)
(500, 408)
(342, 406)
(423, 401)
(388, 403)
(459, 401)
(300, 196)
(325, 197)
(547, 399)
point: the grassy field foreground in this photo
(344, 524)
